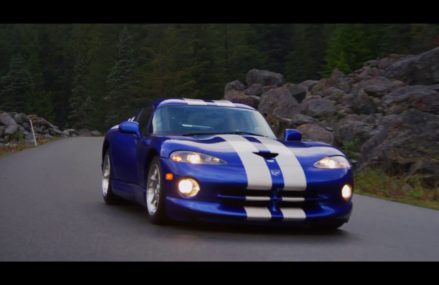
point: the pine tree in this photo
(122, 82)
(80, 100)
(16, 86)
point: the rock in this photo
(95, 133)
(234, 85)
(316, 133)
(71, 132)
(421, 97)
(298, 92)
(20, 118)
(264, 77)
(279, 102)
(380, 86)
(240, 97)
(340, 80)
(318, 107)
(352, 130)
(307, 84)
(254, 89)
(363, 104)
(333, 93)
(300, 119)
(11, 129)
(2, 130)
(405, 144)
(7, 119)
(416, 69)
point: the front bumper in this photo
(181, 209)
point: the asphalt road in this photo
(51, 210)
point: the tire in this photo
(155, 195)
(107, 191)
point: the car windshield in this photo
(199, 120)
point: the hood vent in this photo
(266, 154)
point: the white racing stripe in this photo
(257, 213)
(293, 214)
(224, 103)
(258, 174)
(292, 171)
(195, 101)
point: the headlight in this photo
(195, 158)
(332, 162)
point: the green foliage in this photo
(93, 75)
(411, 190)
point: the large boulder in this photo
(264, 77)
(353, 129)
(363, 103)
(315, 132)
(20, 118)
(318, 107)
(421, 97)
(416, 69)
(6, 119)
(405, 143)
(297, 91)
(279, 102)
(380, 86)
(255, 89)
(234, 85)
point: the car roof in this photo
(200, 102)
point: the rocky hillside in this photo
(15, 128)
(386, 114)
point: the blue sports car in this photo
(218, 161)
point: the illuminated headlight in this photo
(332, 162)
(188, 187)
(195, 158)
(346, 192)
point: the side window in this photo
(145, 121)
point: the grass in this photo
(409, 190)
(22, 146)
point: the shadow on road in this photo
(139, 213)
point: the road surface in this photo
(51, 209)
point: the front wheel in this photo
(155, 196)
(107, 192)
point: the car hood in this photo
(223, 146)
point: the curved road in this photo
(51, 209)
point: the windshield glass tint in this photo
(188, 120)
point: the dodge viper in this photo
(218, 161)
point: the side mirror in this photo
(292, 135)
(129, 127)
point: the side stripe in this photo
(195, 101)
(292, 171)
(293, 214)
(224, 103)
(258, 174)
(257, 213)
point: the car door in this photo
(144, 146)
(124, 156)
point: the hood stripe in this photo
(256, 169)
(292, 171)
(195, 101)
(224, 103)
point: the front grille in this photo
(268, 198)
